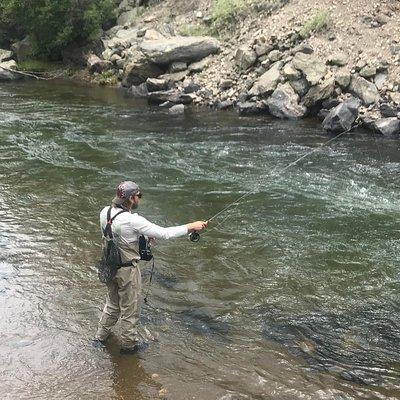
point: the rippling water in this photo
(293, 293)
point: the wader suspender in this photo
(107, 231)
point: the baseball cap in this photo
(125, 190)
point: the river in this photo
(292, 293)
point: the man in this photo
(123, 298)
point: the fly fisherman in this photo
(123, 297)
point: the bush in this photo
(53, 24)
(225, 13)
(317, 23)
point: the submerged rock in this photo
(177, 109)
(251, 108)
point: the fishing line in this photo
(195, 236)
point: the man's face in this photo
(135, 201)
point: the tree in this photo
(53, 25)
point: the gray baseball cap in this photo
(125, 190)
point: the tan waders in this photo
(123, 302)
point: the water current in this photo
(291, 294)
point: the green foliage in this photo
(106, 78)
(52, 24)
(225, 13)
(38, 66)
(194, 30)
(319, 22)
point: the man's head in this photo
(128, 195)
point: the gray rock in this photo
(304, 47)
(395, 97)
(342, 117)
(6, 75)
(368, 71)
(152, 34)
(322, 113)
(139, 90)
(380, 80)
(387, 126)
(5, 55)
(313, 69)
(226, 84)
(224, 105)
(388, 110)
(245, 58)
(177, 66)
(267, 82)
(262, 49)
(175, 77)
(10, 64)
(179, 48)
(156, 85)
(173, 96)
(364, 89)
(127, 18)
(96, 64)
(177, 109)
(199, 65)
(23, 49)
(360, 65)
(126, 5)
(343, 78)
(284, 103)
(190, 87)
(251, 108)
(138, 69)
(319, 92)
(338, 59)
(275, 55)
(290, 73)
(301, 86)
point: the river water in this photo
(292, 294)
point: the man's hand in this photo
(196, 226)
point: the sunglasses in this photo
(139, 195)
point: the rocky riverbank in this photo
(331, 59)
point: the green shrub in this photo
(52, 24)
(106, 78)
(225, 13)
(317, 23)
(38, 66)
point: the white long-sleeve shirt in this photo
(127, 228)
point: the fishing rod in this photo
(195, 236)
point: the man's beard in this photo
(134, 206)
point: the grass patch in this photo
(225, 13)
(318, 23)
(194, 30)
(39, 66)
(106, 78)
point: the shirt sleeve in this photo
(145, 227)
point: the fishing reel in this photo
(194, 237)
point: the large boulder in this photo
(267, 82)
(387, 126)
(310, 66)
(179, 48)
(23, 49)
(284, 103)
(363, 89)
(251, 108)
(342, 117)
(138, 69)
(96, 64)
(300, 86)
(343, 78)
(245, 58)
(5, 55)
(319, 92)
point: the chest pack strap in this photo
(107, 230)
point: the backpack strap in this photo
(107, 231)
